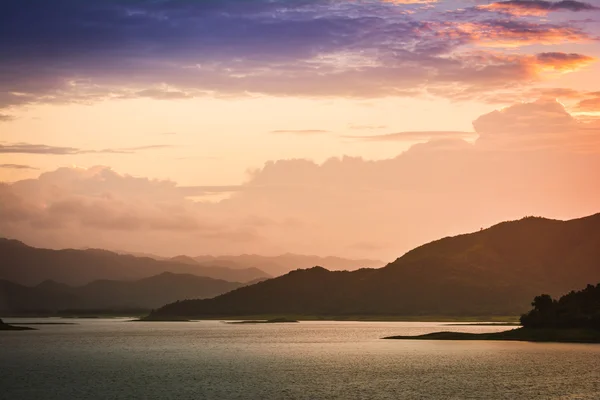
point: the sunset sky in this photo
(358, 128)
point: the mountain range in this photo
(50, 296)
(30, 266)
(496, 271)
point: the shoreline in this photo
(459, 320)
(519, 334)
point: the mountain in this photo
(282, 264)
(491, 272)
(30, 266)
(185, 260)
(147, 293)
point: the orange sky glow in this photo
(354, 128)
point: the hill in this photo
(147, 293)
(30, 266)
(491, 272)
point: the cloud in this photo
(541, 117)
(366, 127)
(536, 7)
(505, 73)
(301, 132)
(99, 207)
(529, 159)
(563, 61)
(27, 148)
(148, 147)
(410, 1)
(589, 105)
(87, 51)
(159, 94)
(411, 136)
(512, 33)
(6, 118)
(194, 191)
(16, 166)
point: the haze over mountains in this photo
(493, 271)
(30, 266)
(282, 264)
(44, 280)
(144, 294)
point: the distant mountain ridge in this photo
(147, 293)
(282, 264)
(273, 265)
(495, 271)
(27, 265)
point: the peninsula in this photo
(574, 318)
(7, 327)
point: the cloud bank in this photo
(528, 159)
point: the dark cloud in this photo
(16, 166)
(6, 118)
(561, 61)
(511, 32)
(537, 7)
(26, 148)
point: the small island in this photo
(574, 318)
(269, 321)
(7, 327)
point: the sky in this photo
(357, 128)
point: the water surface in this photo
(114, 359)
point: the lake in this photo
(115, 359)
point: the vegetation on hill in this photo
(575, 317)
(575, 310)
(495, 271)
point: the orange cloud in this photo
(589, 105)
(508, 33)
(562, 62)
(410, 1)
(535, 8)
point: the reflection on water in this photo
(114, 359)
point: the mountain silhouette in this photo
(30, 266)
(495, 271)
(147, 293)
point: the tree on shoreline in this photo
(577, 309)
